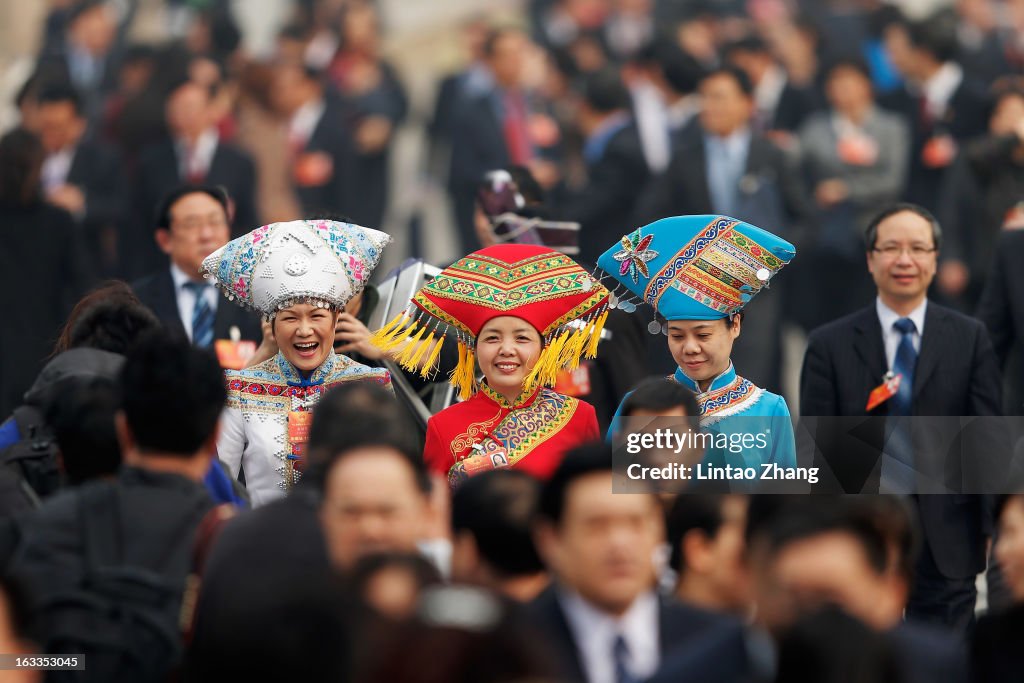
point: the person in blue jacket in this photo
(699, 272)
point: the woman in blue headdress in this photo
(699, 272)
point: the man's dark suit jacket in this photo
(677, 624)
(478, 146)
(158, 174)
(604, 207)
(96, 169)
(771, 194)
(966, 116)
(956, 375)
(338, 194)
(794, 106)
(1002, 302)
(157, 293)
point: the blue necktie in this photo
(904, 364)
(202, 315)
(620, 651)
(898, 474)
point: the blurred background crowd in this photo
(389, 114)
(803, 117)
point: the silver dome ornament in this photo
(296, 265)
(654, 327)
(319, 261)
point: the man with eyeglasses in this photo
(905, 356)
(192, 223)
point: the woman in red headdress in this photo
(521, 313)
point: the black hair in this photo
(82, 418)
(681, 70)
(110, 318)
(59, 93)
(595, 458)
(604, 92)
(796, 518)
(173, 395)
(497, 508)
(361, 415)
(854, 63)
(138, 53)
(163, 214)
(328, 215)
(82, 7)
(494, 36)
(21, 162)
(528, 186)
(871, 232)
(19, 612)
(893, 518)
(690, 511)
(659, 393)
(368, 567)
(738, 75)
(830, 646)
(935, 35)
(751, 44)
(288, 630)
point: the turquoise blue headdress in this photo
(697, 267)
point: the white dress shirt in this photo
(56, 168)
(939, 89)
(201, 158)
(595, 631)
(187, 300)
(768, 93)
(890, 336)
(304, 121)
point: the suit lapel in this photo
(701, 196)
(867, 343)
(166, 303)
(936, 325)
(216, 171)
(756, 154)
(568, 649)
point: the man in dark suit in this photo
(602, 618)
(192, 153)
(81, 174)
(946, 368)
(781, 106)
(616, 170)
(943, 106)
(84, 45)
(193, 223)
(501, 126)
(725, 168)
(321, 151)
(1001, 308)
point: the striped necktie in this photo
(898, 474)
(620, 653)
(904, 364)
(202, 315)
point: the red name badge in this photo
(298, 431)
(234, 355)
(883, 392)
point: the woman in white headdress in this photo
(299, 275)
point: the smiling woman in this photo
(703, 272)
(522, 313)
(299, 275)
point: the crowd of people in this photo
(209, 467)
